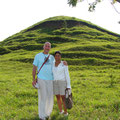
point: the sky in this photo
(16, 15)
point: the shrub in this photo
(87, 48)
(4, 50)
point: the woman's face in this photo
(57, 57)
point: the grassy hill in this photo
(93, 55)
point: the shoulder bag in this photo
(68, 99)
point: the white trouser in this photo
(45, 98)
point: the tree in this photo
(92, 5)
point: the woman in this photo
(61, 82)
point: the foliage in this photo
(92, 5)
(4, 50)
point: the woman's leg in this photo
(59, 102)
(63, 100)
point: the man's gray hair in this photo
(47, 43)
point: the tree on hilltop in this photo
(92, 5)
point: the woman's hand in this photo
(67, 88)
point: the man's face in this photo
(47, 48)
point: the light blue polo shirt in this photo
(46, 71)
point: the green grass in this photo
(93, 55)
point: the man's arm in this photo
(34, 74)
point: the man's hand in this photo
(34, 82)
(65, 63)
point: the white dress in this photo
(61, 79)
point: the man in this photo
(45, 81)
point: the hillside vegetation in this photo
(93, 56)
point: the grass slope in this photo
(93, 55)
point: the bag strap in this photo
(43, 64)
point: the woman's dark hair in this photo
(57, 52)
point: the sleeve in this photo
(35, 62)
(53, 59)
(67, 77)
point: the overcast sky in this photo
(16, 15)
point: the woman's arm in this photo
(67, 77)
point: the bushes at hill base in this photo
(89, 61)
(26, 47)
(4, 50)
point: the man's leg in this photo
(41, 98)
(45, 98)
(49, 97)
